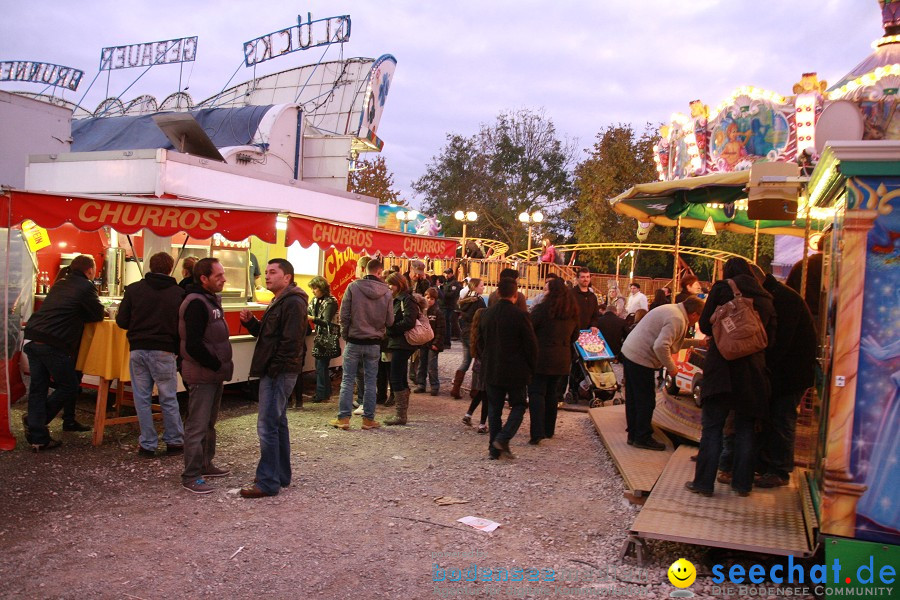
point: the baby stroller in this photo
(598, 384)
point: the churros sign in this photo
(90, 214)
(127, 216)
(366, 241)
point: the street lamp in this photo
(405, 216)
(466, 217)
(531, 218)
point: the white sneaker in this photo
(358, 411)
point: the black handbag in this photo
(327, 343)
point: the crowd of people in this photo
(520, 356)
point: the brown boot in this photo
(457, 383)
(370, 424)
(402, 404)
(340, 423)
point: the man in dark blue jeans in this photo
(508, 350)
(277, 361)
(54, 334)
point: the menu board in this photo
(592, 346)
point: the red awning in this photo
(366, 240)
(162, 216)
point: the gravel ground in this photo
(359, 520)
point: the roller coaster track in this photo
(719, 255)
(499, 248)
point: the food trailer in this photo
(89, 224)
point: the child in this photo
(478, 393)
(428, 354)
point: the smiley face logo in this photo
(682, 573)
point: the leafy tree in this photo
(372, 178)
(516, 164)
(620, 158)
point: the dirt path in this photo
(85, 522)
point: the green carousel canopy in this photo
(722, 196)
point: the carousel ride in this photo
(758, 164)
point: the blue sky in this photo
(586, 64)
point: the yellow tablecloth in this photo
(104, 351)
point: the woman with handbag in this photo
(326, 345)
(406, 314)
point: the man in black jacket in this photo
(588, 318)
(149, 311)
(277, 361)
(55, 332)
(508, 350)
(588, 312)
(792, 368)
(452, 288)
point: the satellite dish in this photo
(187, 135)
(840, 121)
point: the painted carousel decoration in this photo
(762, 125)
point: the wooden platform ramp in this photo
(639, 468)
(772, 521)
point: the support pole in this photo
(462, 253)
(618, 262)
(803, 271)
(756, 241)
(677, 262)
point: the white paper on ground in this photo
(479, 523)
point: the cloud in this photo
(588, 64)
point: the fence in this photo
(531, 274)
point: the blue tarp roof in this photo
(224, 126)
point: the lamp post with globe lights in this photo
(465, 217)
(530, 219)
(406, 216)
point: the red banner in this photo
(198, 219)
(366, 240)
(340, 270)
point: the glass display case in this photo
(235, 258)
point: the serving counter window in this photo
(236, 261)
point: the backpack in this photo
(421, 333)
(558, 257)
(737, 328)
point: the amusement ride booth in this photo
(821, 167)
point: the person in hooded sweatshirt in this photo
(741, 385)
(367, 309)
(149, 311)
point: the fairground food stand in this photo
(83, 223)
